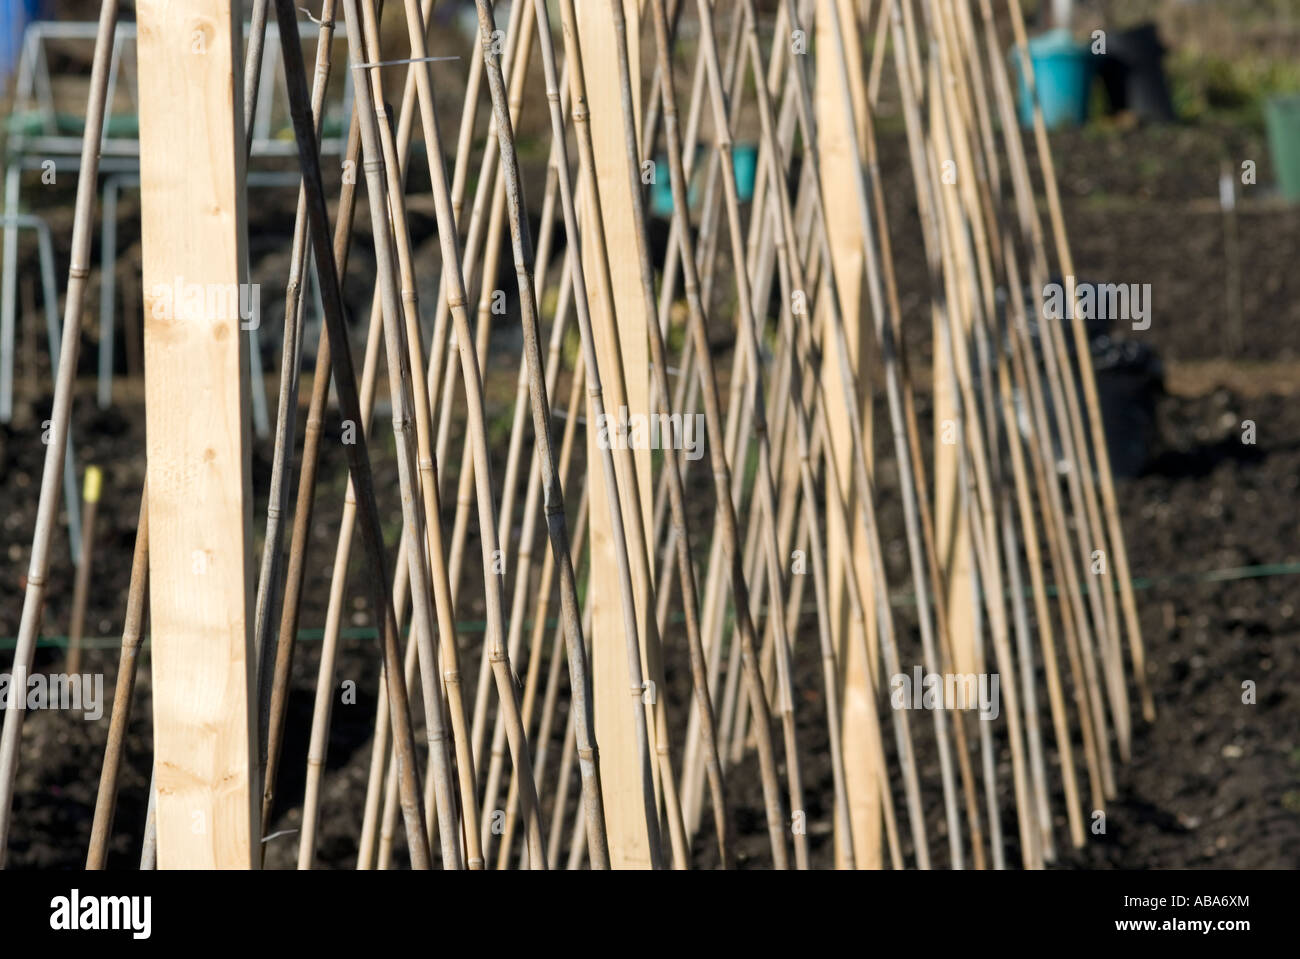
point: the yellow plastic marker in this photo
(93, 482)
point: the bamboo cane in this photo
(286, 417)
(345, 387)
(766, 485)
(834, 317)
(385, 193)
(917, 461)
(288, 626)
(1086, 374)
(1061, 395)
(1028, 381)
(594, 387)
(1063, 567)
(51, 475)
(1083, 483)
(385, 847)
(862, 486)
(274, 669)
(776, 397)
(535, 657)
(366, 848)
(979, 465)
(253, 60)
(957, 326)
(688, 399)
(536, 474)
(885, 336)
(444, 652)
(722, 484)
(446, 625)
(322, 707)
(685, 562)
(905, 73)
(506, 690)
(577, 837)
(552, 492)
(961, 29)
(1042, 614)
(734, 708)
(132, 630)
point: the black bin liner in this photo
(1134, 74)
(1130, 381)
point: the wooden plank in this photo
(196, 388)
(848, 251)
(952, 529)
(953, 542)
(620, 768)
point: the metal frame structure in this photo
(34, 94)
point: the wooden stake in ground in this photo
(838, 163)
(196, 387)
(620, 768)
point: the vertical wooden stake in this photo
(837, 157)
(620, 768)
(952, 524)
(197, 390)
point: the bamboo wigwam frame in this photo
(649, 570)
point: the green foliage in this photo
(1213, 87)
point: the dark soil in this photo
(1212, 782)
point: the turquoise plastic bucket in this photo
(745, 157)
(1282, 114)
(1063, 70)
(14, 17)
(661, 194)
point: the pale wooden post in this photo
(847, 249)
(953, 542)
(196, 388)
(620, 766)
